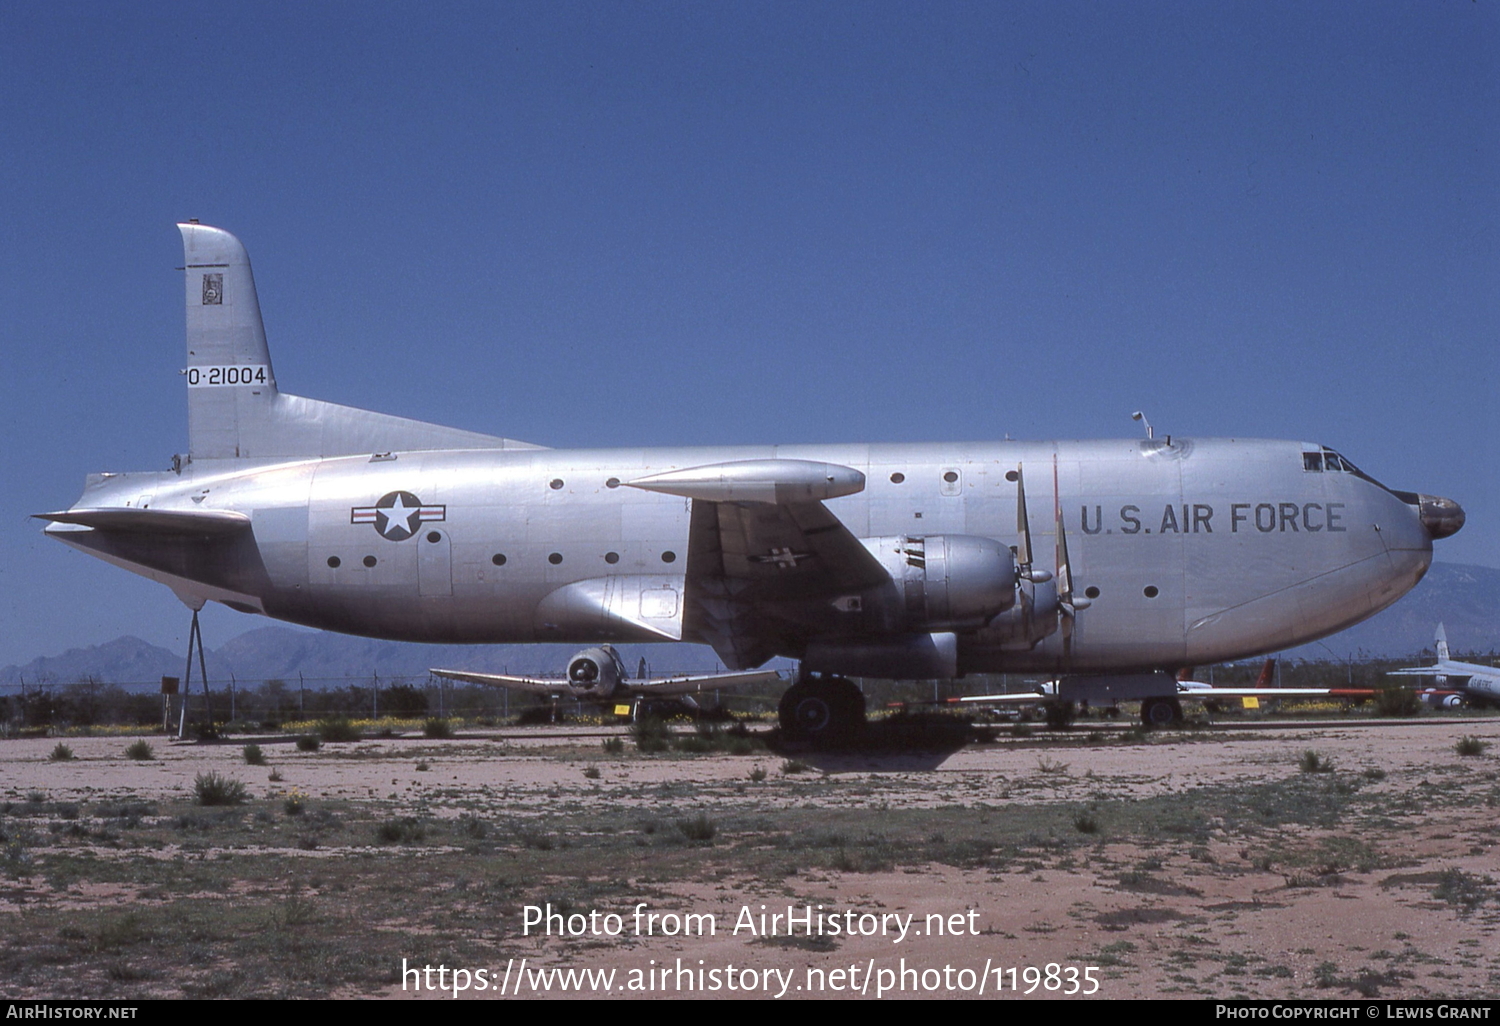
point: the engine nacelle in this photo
(1442, 699)
(948, 581)
(596, 672)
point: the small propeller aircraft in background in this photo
(598, 676)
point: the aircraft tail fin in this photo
(1440, 642)
(235, 410)
(1267, 674)
(225, 342)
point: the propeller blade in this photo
(1066, 609)
(1064, 569)
(1023, 524)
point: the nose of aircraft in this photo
(1441, 517)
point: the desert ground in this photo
(1326, 860)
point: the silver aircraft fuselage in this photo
(1194, 552)
(872, 560)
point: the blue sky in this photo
(640, 224)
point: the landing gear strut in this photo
(822, 710)
(195, 640)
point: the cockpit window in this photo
(1328, 460)
(1333, 461)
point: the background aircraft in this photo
(1457, 682)
(895, 561)
(598, 675)
(1165, 707)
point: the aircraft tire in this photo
(821, 710)
(1160, 712)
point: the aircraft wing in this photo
(680, 685)
(1203, 694)
(704, 682)
(536, 685)
(1020, 698)
(1211, 693)
(764, 551)
(1448, 668)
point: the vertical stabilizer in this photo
(1441, 643)
(234, 408)
(229, 375)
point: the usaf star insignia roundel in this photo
(397, 515)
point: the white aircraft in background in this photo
(1160, 711)
(1481, 683)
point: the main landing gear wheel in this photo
(1160, 712)
(822, 710)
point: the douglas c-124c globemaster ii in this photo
(1097, 560)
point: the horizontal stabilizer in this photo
(687, 685)
(152, 521)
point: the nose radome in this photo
(1441, 517)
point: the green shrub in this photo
(1397, 701)
(758, 774)
(1466, 745)
(591, 772)
(1059, 714)
(254, 756)
(140, 751)
(794, 766)
(215, 789)
(400, 831)
(62, 753)
(651, 734)
(613, 745)
(1312, 762)
(436, 728)
(337, 730)
(699, 829)
(309, 743)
